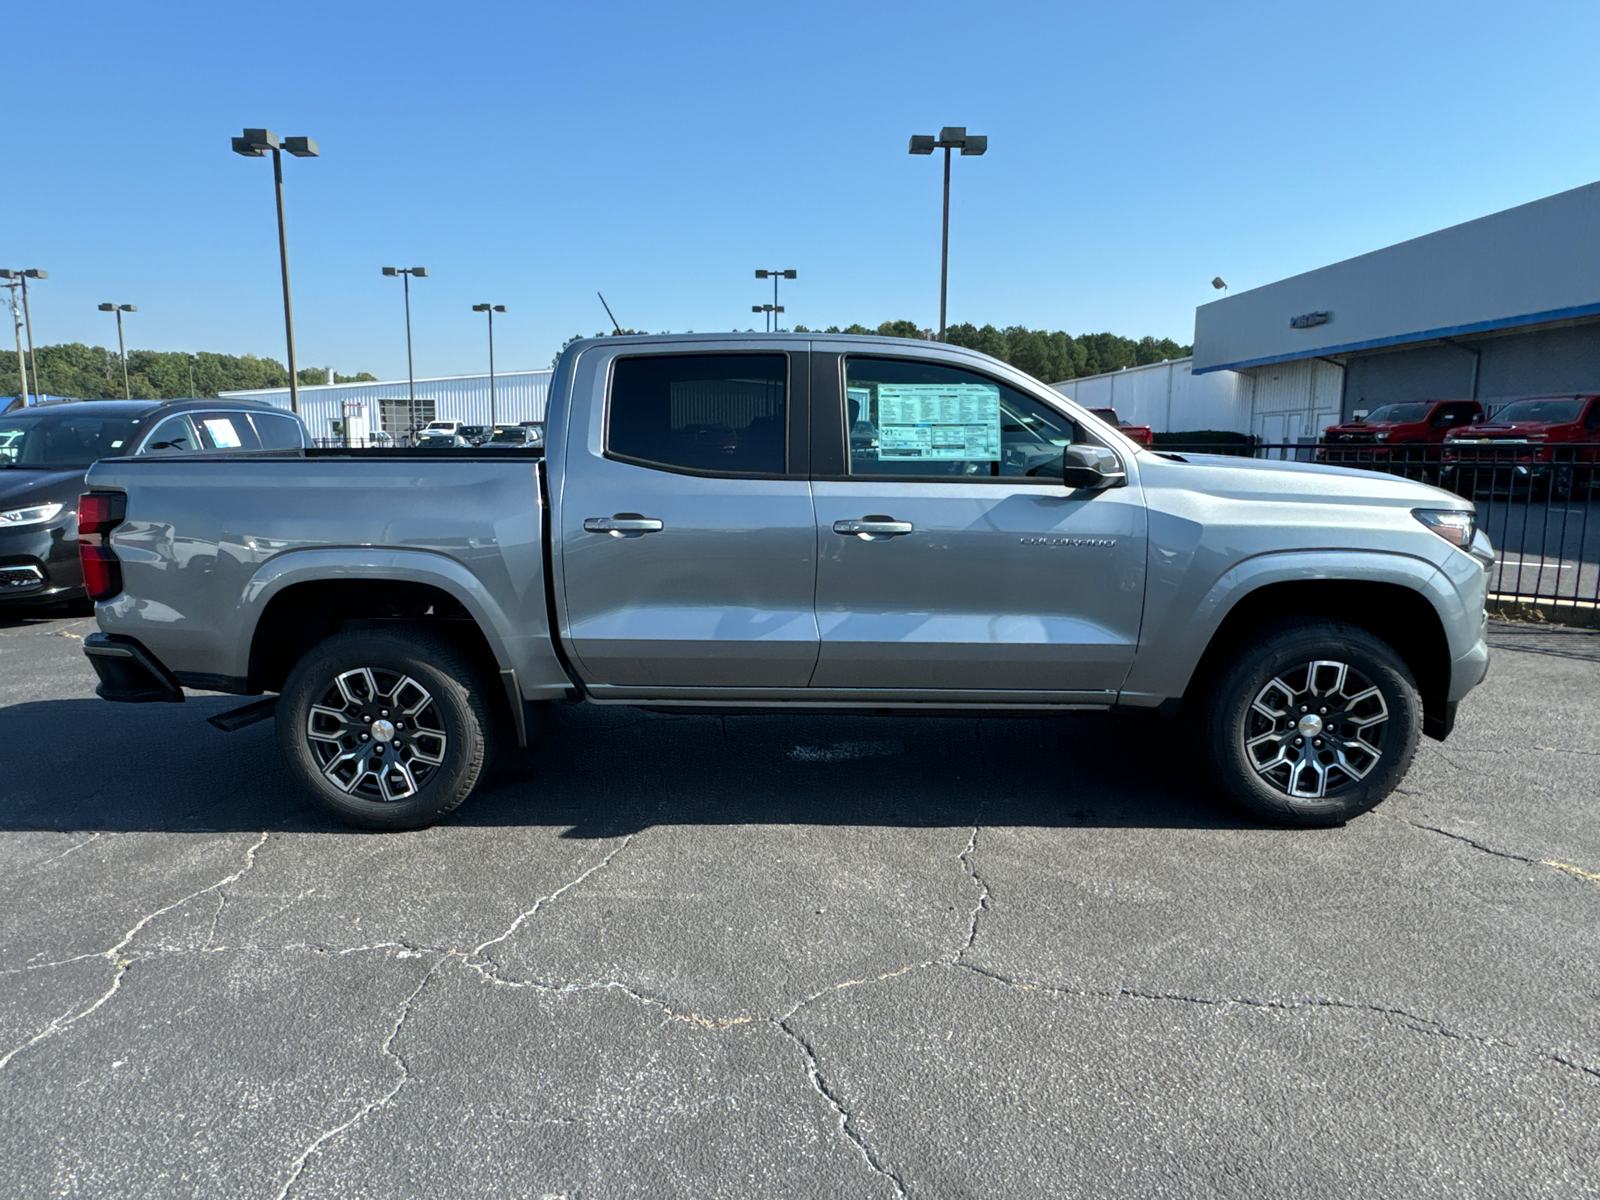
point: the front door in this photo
(951, 556)
(688, 538)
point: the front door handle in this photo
(623, 524)
(874, 527)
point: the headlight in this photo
(34, 514)
(1454, 525)
(1380, 437)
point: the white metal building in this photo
(1279, 403)
(334, 410)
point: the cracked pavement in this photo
(796, 956)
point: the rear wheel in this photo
(386, 730)
(1315, 723)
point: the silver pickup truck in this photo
(789, 521)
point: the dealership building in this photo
(1493, 310)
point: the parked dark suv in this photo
(45, 450)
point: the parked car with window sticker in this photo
(791, 521)
(46, 449)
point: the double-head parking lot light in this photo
(951, 137)
(122, 346)
(491, 309)
(406, 273)
(774, 274)
(254, 144)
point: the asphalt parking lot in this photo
(773, 956)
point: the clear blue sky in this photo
(530, 154)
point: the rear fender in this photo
(522, 645)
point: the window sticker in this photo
(222, 433)
(933, 421)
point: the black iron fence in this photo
(1538, 502)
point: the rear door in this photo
(687, 534)
(951, 556)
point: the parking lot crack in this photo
(93, 837)
(530, 912)
(982, 905)
(1567, 868)
(298, 1166)
(121, 964)
(845, 1119)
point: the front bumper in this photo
(40, 564)
(128, 672)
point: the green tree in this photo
(95, 373)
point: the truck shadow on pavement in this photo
(85, 765)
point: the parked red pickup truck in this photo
(1408, 432)
(1139, 433)
(1549, 440)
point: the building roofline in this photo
(1426, 335)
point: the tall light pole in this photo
(16, 321)
(122, 346)
(951, 137)
(254, 144)
(27, 320)
(775, 275)
(770, 310)
(411, 376)
(491, 309)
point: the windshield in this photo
(1543, 412)
(517, 436)
(63, 439)
(1399, 414)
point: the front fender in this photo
(1179, 627)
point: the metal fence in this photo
(1539, 503)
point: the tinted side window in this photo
(275, 432)
(173, 436)
(227, 431)
(933, 421)
(724, 414)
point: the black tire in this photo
(401, 786)
(1355, 765)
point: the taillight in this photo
(98, 514)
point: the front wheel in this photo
(1314, 723)
(385, 729)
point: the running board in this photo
(232, 722)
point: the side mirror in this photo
(1091, 467)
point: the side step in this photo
(232, 722)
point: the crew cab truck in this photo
(744, 522)
(1551, 441)
(1398, 434)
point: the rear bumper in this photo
(128, 672)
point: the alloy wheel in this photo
(1316, 729)
(376, 734)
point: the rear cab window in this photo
(277, 432)
(702, 414)
(916, 419)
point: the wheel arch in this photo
(1399, 615)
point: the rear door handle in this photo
(623, 524)
(874, 526)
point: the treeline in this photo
(1049, 355)
(95, 373)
